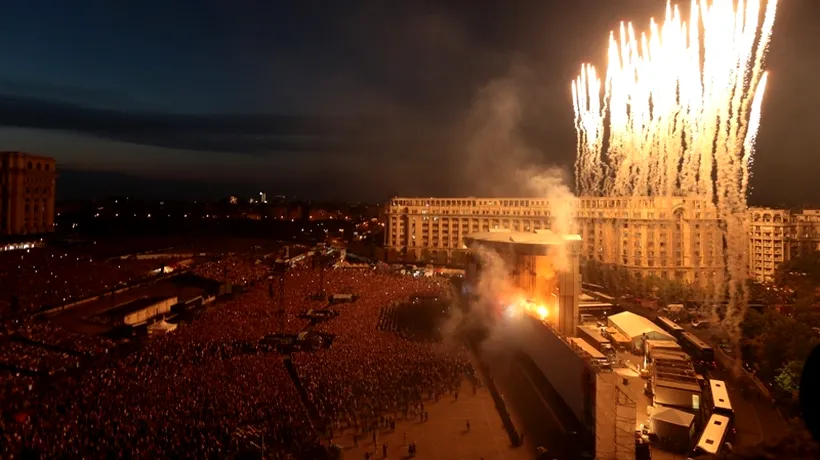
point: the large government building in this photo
(668, 237)
(26, 193)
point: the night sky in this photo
(354, 99)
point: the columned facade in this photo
(674, 238)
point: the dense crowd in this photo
(37, 278)
(192, 393)
(40, 331)
(368, 375)
(233, 269)
(43, 277)
(30, 347)
(209, 389)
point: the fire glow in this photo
(520, 305)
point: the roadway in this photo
(757, 418)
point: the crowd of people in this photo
(210, 389)
(43, 332)
(368, 375)
(42, 277)
(37, 278)
(194, 393)
(234, 269)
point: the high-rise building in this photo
(777, 235)
(26, 193)
(666, 237)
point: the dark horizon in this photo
(361, 102)
(85, 185)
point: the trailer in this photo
(591, 336)
(674, 428)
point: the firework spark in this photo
(679, 115)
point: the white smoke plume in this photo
(492, 287)
(500, 159)
(493, 139)
(552, 185)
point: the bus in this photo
(721, 307)
(703, 356)
(670, 326)
(717, 399)
(713, 437)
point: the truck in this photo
(591, 336)
(674, 308)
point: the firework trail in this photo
(681, 110)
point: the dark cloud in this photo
(93, 97)
(82, 184)
(240, 134)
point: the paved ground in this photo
(445, 435)
(635, 390)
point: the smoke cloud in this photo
(501, 160)
(491, 288)
(552, 184)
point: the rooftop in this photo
(528, 241)
(668, 355)
(636, 325)
(674, 416)
(134, 306)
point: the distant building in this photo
(279, 212)
(666, 237)
(287, 212)
(26, 193)
(777, 235)
(324, 214)
(263, 197)
(295, 212)
(233, 200)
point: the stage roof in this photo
(537, 241)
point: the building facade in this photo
(777, 235)
(27, 193)
(667, 237)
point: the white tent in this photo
(161, 327)
(636, 327)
